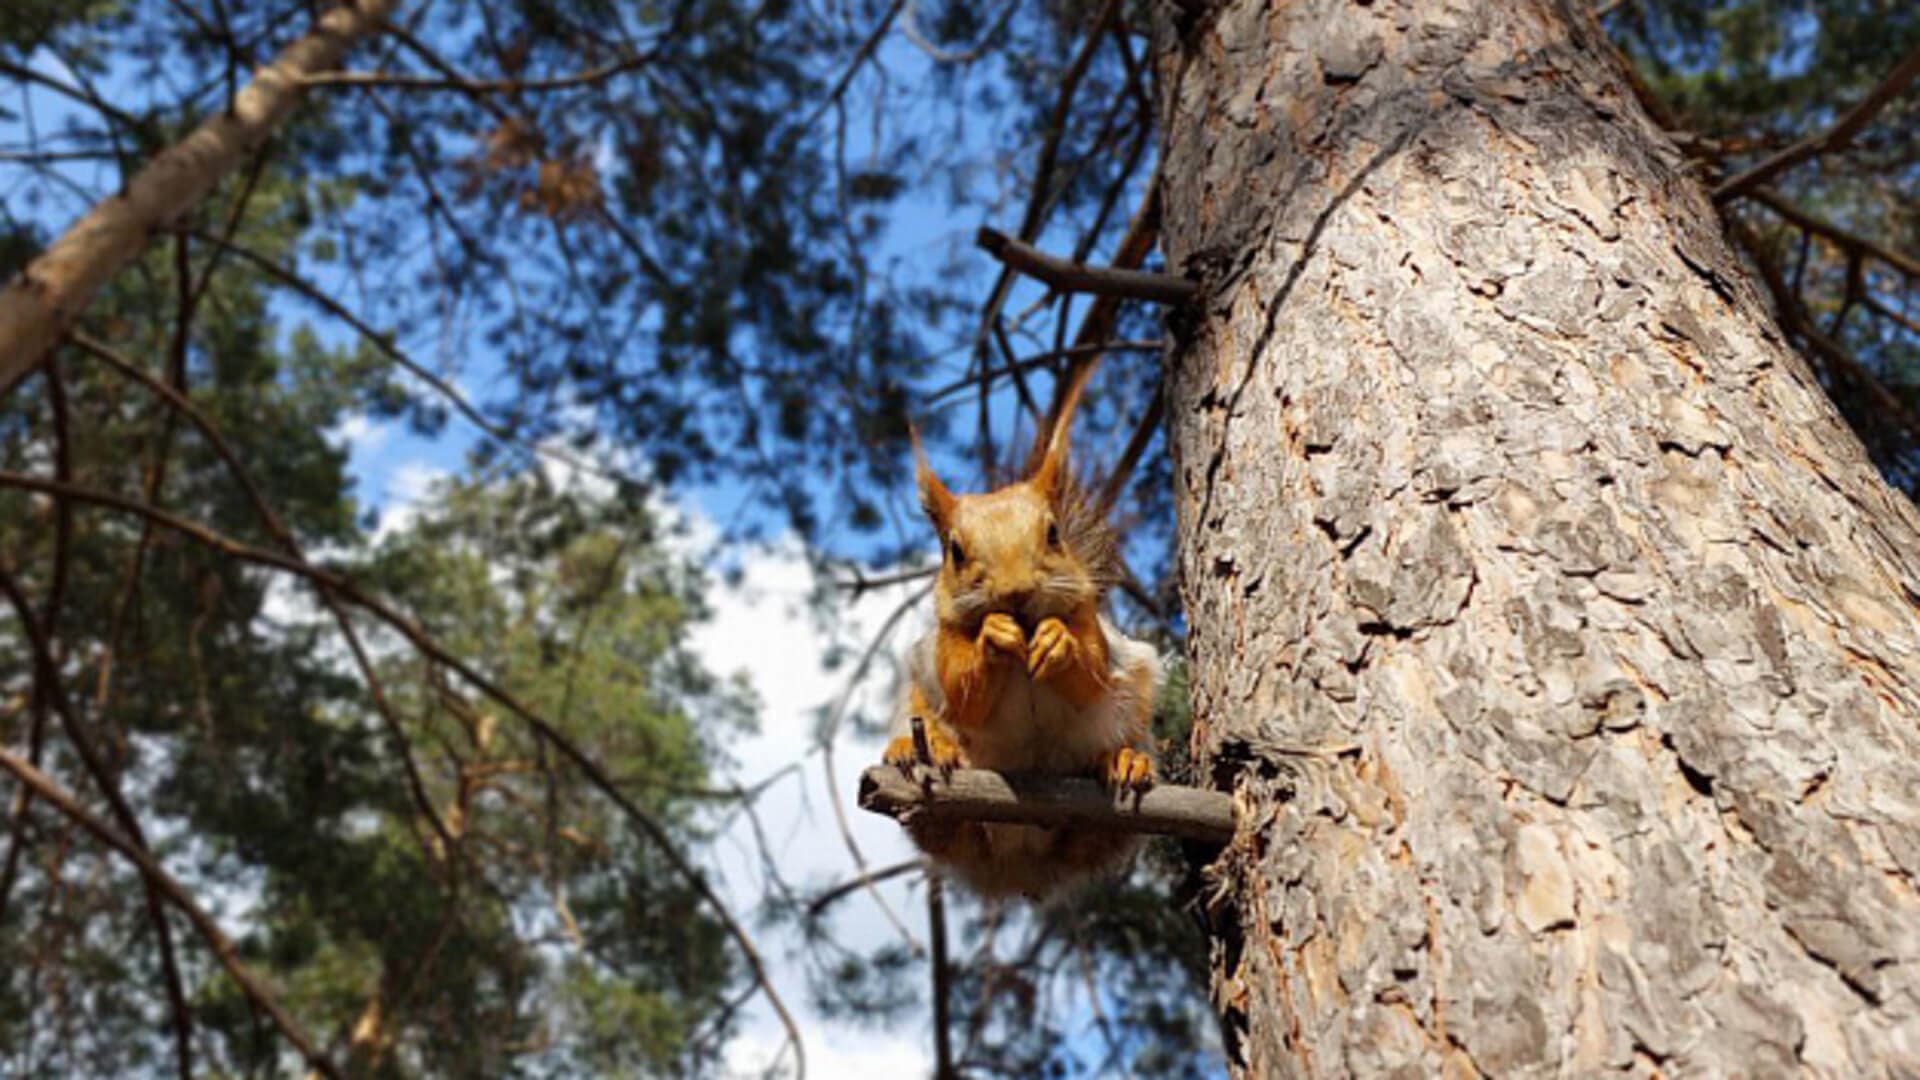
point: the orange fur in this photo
(1021, 673)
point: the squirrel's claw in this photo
(1126, 770)
(942, 753)
(1054, 648)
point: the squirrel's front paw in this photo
(943, 752)
(1054, 649)
(1000, 635)
(1126, 769)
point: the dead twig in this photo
(1071, 277)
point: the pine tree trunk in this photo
(38, 304)
(1563, 644)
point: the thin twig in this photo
(853, 67)
(1778, 203)
(1797, 323)
(384, 342)
(468, 85)
(48, 687)
(819, 904)
(285, 538)
(831, 729)
(1143, 433)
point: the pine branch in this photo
(1036, 799)
(1834, 138)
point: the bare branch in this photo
(860, 57)
(39, 303)
(48, 690)
(1037, 360)
(61, 799)
(1834, 138)
(384, 343)
(285, 538)
(468, 85)
(1071, 277)
(1778, 203)
(1037, 799)
(1143, 433)
(862, 880)
(1797, 323)
(831, 729)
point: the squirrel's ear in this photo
(935, 499)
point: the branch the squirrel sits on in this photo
(1022, 672)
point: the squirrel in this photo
(1022, 672)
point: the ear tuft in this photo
(1050, 475)
(935, 500)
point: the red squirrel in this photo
(1021, 672)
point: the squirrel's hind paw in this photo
(944, 753)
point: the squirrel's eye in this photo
(954, 550)
(1053, 534)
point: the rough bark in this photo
(39, 303)
(1560, 638)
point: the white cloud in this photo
(761, 627)
(356, 433)
(413, 481)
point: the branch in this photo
(1071, 277)
(860, 57)
(1776, 202)
(289, 543)
(48, 688)
(1037, 799)
(469, 85)
(1797, 324)
(62, 800)
(865, 879)
(387, 347)
(1834, 138)
(39, 302)
(942, 981)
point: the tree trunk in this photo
(1562, 642)
(38, 304)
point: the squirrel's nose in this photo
(1015, 601)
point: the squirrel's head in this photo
(1032, 549)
